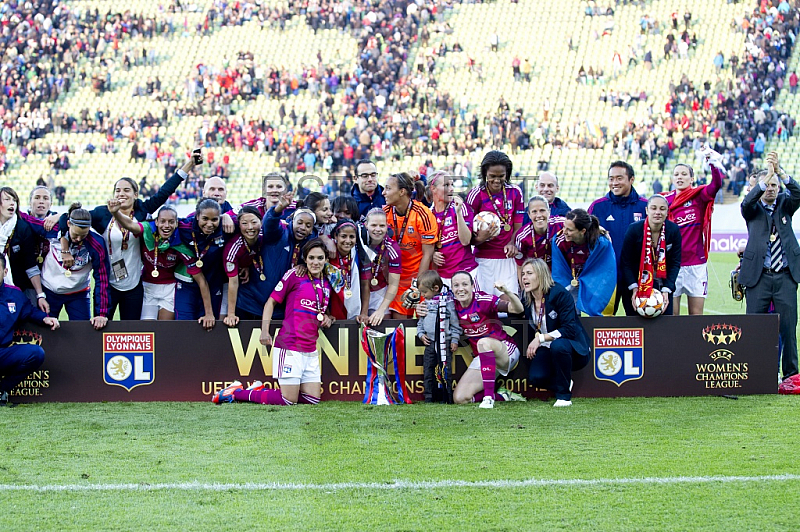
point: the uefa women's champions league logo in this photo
(27, 337)
(723, 372)
(722, 334)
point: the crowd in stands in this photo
(385, 108)
(738, 115)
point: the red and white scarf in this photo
(646, 276)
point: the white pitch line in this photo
(397, 484)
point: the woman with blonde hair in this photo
(560, 344)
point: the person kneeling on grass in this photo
(495, 350)
(560, 344)
(439, 331)
(19, 360)
(295, 361)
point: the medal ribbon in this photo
(125, 237)
(197, 250)
(547, 253)
(347, 266)
(538, 323)
(505, 216)
(258, 261)
(572, 261)
(376, 264)
(8, 242)
(295, 254)
(320, 308)
(444, 215)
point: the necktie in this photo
(775, 252)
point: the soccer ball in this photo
(486, 220)
(652, 306)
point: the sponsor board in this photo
(666, 356)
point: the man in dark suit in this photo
(771, 262)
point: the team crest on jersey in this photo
(637, 217)
(410, 230)
(129, 359)
(448, 221)
(12, 307)
(618, 355)
(474, 317)
(688, 203)
(230, 266)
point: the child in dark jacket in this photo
(439, 331)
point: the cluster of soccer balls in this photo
(650, 307)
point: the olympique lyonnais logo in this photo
(618, 355)
(129, 359)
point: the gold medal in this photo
(348, 294)
(574, 282)
(773, 238)
(507, 227)
(68, 273)
(320, 316)
(438, 245)
(40, 259)
(374, 282)
(262, 277)
(199, 263)
(154, 273)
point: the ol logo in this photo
(618, 355)
(129, 359)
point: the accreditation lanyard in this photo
(399, 236)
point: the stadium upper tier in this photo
(557, 38)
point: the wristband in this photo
(540, 337)
(41, 295)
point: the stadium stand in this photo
(287, 85)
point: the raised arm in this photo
(126, 223)
(170, 185)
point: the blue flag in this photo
(597, 280)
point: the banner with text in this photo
(178, 361)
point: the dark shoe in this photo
(4, 401)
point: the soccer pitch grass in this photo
(603, 464)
